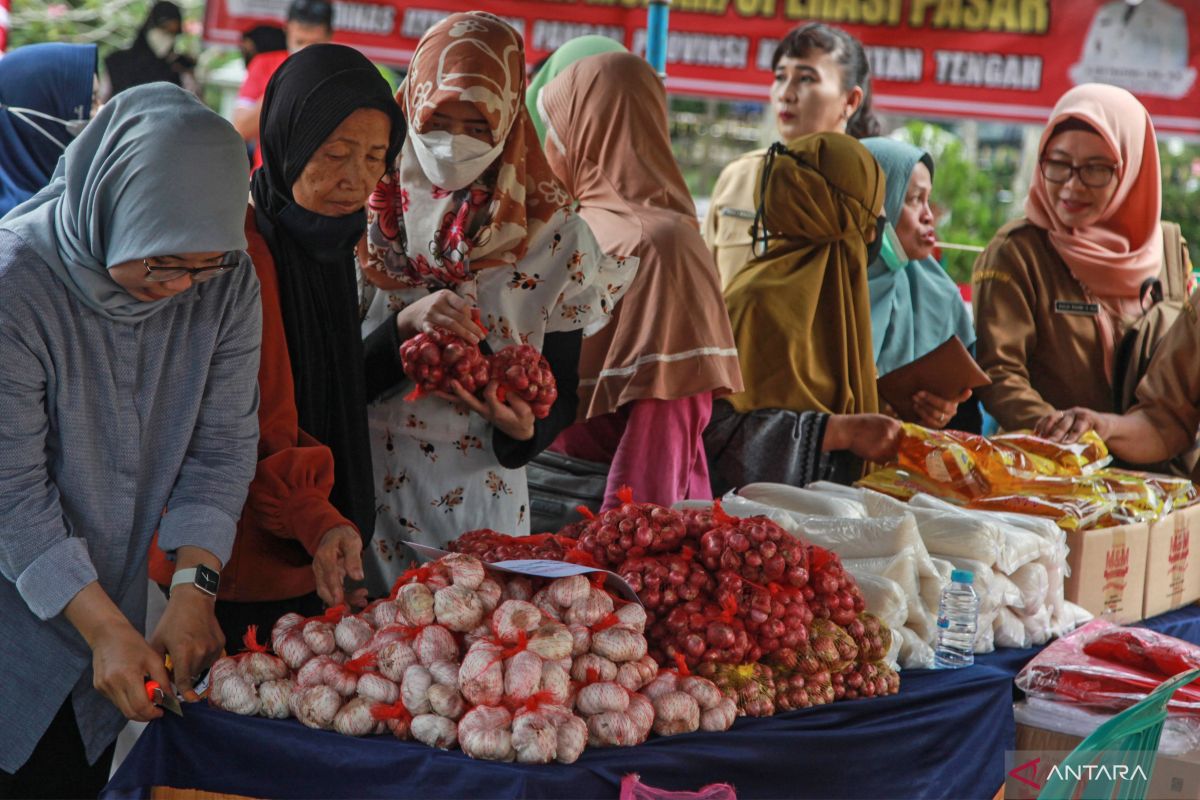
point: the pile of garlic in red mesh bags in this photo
(505, 667)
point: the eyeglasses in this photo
(1095, 176)
(162, 273)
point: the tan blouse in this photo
(731, 213)
(1037, 334)
(1169, 394)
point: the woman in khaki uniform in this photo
(1055, 292)
(1163, 424)
(821, 85)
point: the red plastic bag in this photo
(632, 788)
(1081, 669)
(1145, 649)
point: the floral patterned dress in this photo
(435, 471)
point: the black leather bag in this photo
(558, 485)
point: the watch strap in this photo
(203, 578)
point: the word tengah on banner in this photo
(992, 59)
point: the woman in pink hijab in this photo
(1057, 292)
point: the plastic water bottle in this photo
(958, 619)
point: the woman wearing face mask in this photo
(915, 307)
(1056, 291)
(649, 377)
(822, 85)
(471, 220)
(46, 97)
(152, 55)
(129, 343)
(329, 127)
(801, 321)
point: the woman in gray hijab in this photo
(129, 347)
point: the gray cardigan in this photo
(108, 432)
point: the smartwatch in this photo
(206, 579)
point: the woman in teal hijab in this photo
(129, 349)
(915, 306)
(559, 60)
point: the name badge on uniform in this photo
(739, 213)
(1076, 308)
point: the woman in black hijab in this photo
(262, 39)
(152, 55)
(329, 126)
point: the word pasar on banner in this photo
(927, 56)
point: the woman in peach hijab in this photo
(1056, 292)
(648, 379)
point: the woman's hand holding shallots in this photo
(512, 414)
(442, 309)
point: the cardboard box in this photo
(1108, 571)
(1040, 750)
(1172, 575)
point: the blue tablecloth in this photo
(1182, 623)
(943, 735)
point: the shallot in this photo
(436, 359)
(523, 371)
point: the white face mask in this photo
(452, 161)
(160, 42)
(30, 117)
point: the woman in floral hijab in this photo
(471, 220)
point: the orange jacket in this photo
(288, 509)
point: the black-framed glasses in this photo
(1095, 176)
(161, 273)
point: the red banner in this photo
(990, 59)
(5, 5)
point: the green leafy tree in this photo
(1181, 191)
